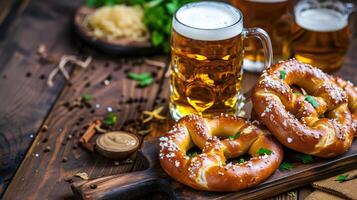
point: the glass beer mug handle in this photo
(266, 42)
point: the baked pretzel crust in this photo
(351, 92)
(320, 124)
(209, 170)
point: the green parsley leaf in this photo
(286, 166)
(263, 151)
(154, 3)
(172, 6)
(110, 2)
(146, 82)
(87, 97)
(143, 79)
(191, 155)
(322, 116)
(241, 160)
(312, 101)
(342, 178)
(156, 38)
(90, 3)
(110, 119)
(282, 74)
(305, 158)
(139, 76)
(233, 137)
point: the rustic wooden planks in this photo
(46, 172)
(25, 98)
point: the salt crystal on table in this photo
(109, 109)
(106, 82)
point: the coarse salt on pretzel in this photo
(209, 170)
(318, 124)
(351, 92)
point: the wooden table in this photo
(39, 132)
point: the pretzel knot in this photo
(351, 92)
(219, 138)
(317, 123)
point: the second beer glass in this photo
(320, 33)
(206, 59)
(274, 16)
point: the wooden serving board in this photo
(154, 179)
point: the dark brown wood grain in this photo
(25, 99)
(46, 172)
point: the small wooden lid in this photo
(117, 145)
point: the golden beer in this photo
(274, 16)
(321, 35)
(206, 59)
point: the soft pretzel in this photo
(209, 170)
(351, 92)
(318, 124)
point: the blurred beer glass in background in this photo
(320, 33)
(206, 59)
(274, 16)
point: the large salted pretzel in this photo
(304, 109)
(219, 138)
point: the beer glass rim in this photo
(331, 5)
(239, 20)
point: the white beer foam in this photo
(208, 21)
(321, 20)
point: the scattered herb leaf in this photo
(143, 79)
(322, 116)
(241, 160)
(342, 178)
(312, 101)
(139, 76)
(87, 97)
(282, 74)
(110, 119)
(263, 151)
(305, 158)
(286, 166)
(233, 137)
(193, 154)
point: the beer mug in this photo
(275, 17)
(321, 34)
(206, 59)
